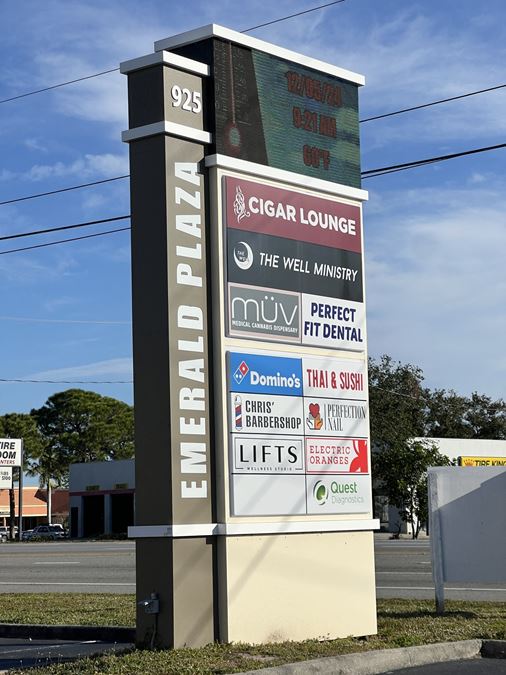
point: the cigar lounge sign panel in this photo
(294, 266)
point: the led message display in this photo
(272, 111)
(275, 112)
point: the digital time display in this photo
(272, 111)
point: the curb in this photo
(494, 649)
(382, 660)
(39, 632)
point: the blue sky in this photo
(435, 236)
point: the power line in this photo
(365, 174)
(67, 189)
(113, 70)
(76, 321)
(428, 105)
(397, 393)
(247, 30)
(64, 241)
(27, 381)
(55, 86)
(290, 16)
(372, 173)
(63, 227)
(67, 381)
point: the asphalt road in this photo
(17, 653)
(403, 569)
(67, 567)
(468, 667)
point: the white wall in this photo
(105, 475)
(469, 537)
(468, 447)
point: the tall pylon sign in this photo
(254, 514)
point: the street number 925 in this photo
(186, 99)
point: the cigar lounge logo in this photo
(240, 209)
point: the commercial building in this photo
(35, 507)
(101, 498)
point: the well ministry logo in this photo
(243, 255)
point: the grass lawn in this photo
(79, 609)
(401, 623)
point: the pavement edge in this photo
(374, 662)
(41, 632)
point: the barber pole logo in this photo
(238, 412)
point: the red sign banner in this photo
(265, 209)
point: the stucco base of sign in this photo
(297, 587)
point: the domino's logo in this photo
(264, 374)
(241, 372)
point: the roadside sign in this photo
(482, 461)
(5, 478)
(11, 451)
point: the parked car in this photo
(51, 532)
(5, 532)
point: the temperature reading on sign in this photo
(186, 99)
(314, 156)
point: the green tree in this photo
(486, 418)
(452, 416)
(401, 469)
(397, 402)
(19, 425)
(81, 426)
(446, 415)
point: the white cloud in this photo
(52, 304)
(436, 285)
(34, 144)
(120, 368)
(5, 174)
(90, 166)
(93, 201)
(22, 269)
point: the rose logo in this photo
(314, 421)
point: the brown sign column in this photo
(174, 499)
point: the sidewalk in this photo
(390, 660)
